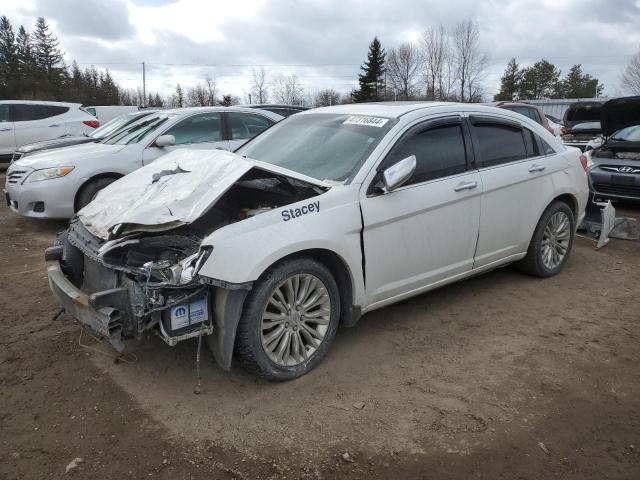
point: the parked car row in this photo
(58, 181)
(265, 251)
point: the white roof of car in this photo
(40, 102)
(213, 109)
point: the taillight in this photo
(564, 130)
(585, 162)
(92, 123)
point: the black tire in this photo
(90, 190)
(533, 263)
(248, 347)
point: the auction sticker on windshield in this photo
(365, 120)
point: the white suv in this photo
(329, 214)
(23, 122)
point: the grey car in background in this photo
(58, 183)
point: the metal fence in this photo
(557, 106)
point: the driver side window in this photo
(205, 127)
(439, 151)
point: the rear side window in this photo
(439, 152)
(246, 125)
(5, 115)
(499, 144)
(530, 142)
(546, 148)
(27, 113)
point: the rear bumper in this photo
(102, 312)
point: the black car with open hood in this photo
(581, 124)
(614, 166)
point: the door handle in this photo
(4, 129)
(465, 186)
(54, 125)
(537, 168)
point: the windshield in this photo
(320, 145)
(137, 131)
(586, 126)
(629, 134)
(111, 126)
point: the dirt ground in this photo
(501, 376)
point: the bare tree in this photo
(210, 85)
(630, 77)
(287, 90)
(402, 69)
(326, 98)
(470, 62)
(438, 66)
(259, 90)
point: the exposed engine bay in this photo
(148, 280)
(620, 150)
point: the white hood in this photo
(68, 155)
(175, 189)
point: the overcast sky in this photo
(322, 41)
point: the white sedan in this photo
(57, 183)
(331, 213)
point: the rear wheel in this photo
(551, 242)
(289, 320)
(90, 190)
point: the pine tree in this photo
(579, 85)
(509, 82)
(372, 82)
(539, 81)
(9, 76)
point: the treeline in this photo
(543, 80)
(32, 68)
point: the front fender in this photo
(244, 250)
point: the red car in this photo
(534, 112)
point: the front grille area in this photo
(616, 168)
(14, 176)
(622, 190)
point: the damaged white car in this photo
(327, 215)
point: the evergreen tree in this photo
(510, 82)
(48, 60)
(372, 82)
(541, 80)
(579, 85)
(9, 76)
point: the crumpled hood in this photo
(174, 190)
(620, 113)
(68, 155)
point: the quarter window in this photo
(4, 113)
(246, 125)
(439, 152)
(205, 127)
(27, 113)
(499, 144)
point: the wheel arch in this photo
(114, 175)
(349, 312)
(570, 200)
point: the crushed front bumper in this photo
(102, 312)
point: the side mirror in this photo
(395, 176)
(165, 141)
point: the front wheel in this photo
(551, 242)
(289, 320)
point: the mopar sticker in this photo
(189, 314)
(298, 212)
(365, 120)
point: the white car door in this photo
(244, 126)
(425, 231)
(515, 170)
(199, 131)
(34, 123)
(7, 138)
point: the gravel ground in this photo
(500, 376)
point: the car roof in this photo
(186, 110)
(274, 105)
(40, 102)
(388, 109)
